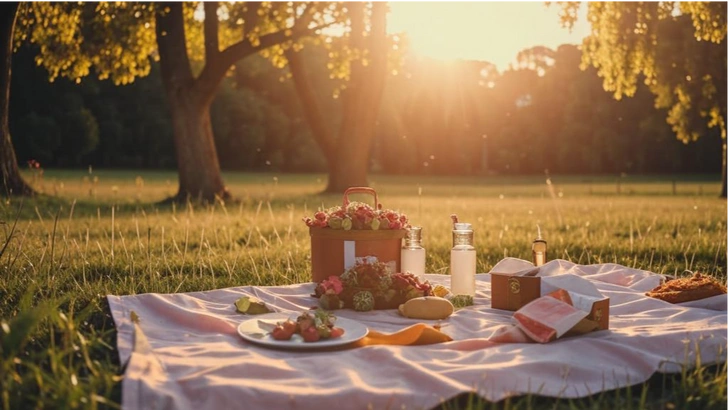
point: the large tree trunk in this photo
(351, 165)
(190, 97)
(361, 100)
(723, 178)
(347, 152)
(12, 182)
(197, 162)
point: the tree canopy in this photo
(196, 44)
(674, 47)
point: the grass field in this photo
(98, 233)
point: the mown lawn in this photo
(101, 232)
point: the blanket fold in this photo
(418, 334)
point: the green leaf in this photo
(250, 305)
(17, 333)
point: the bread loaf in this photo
(426, 307)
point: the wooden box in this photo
(511, 291)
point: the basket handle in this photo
(360, 190)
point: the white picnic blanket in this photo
(185, 352)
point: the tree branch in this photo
(212, 42)
(250, 16)
(215, 69)
(311, 107)
(171, 43)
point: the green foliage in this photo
(250, 131)
(93, 123)
(39, 137)
(677, 48)
(569, 124)
(116, 39)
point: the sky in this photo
(490, 31)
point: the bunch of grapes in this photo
(358, 216)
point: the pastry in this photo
(686, 289)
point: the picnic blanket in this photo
(184, 351)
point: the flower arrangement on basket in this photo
(357, 216)
(369, 285)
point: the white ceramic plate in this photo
(251, 331)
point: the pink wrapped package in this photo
(548, 317)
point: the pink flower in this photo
(332, 285)
(320, 224)
(357, 216)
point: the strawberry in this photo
(336, 332)
(310, 334)
(290, 326)
(279, 333)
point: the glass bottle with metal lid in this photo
(413, 254)
(538, 249)
(462, 260)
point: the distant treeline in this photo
(436, 117)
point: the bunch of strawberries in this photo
(311, 328)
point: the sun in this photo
(490, 31)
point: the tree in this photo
(12, 182)
(190, 96)
(678, 49)
(119, 39)
(347, 149)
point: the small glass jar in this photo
(538, 248)
(462, 260)
(413, 254)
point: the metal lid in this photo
(413, 236)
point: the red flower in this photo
(320, 216)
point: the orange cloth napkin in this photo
(415, 335)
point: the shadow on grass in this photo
(47, 207)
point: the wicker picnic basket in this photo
(332, 250)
